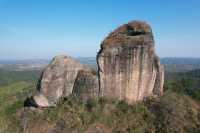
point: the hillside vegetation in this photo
(15, 86)
(172, 113)
(187, 83)
(177, 111)
(8, 77)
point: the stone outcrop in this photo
(57, 80)
(128, 66)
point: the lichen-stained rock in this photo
(128, 66)
(57, 80)
(86, 85)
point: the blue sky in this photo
(45, 28)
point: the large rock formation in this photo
(58, 80)
(128, 69)
(128, 66)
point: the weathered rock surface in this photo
(128, 66)
(57, 80)
(86, 85)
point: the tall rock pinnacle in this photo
(128, 66)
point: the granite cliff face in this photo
(128, 66)
(128, 69)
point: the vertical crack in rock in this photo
(138, 72)
(86, 85)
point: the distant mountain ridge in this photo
(21, 65)
(26, 61)
(180, 60)
(92, 60)
(172, 64)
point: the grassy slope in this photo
(11, 99)
(15, 86)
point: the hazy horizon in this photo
(49, 59)
(42, 29)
